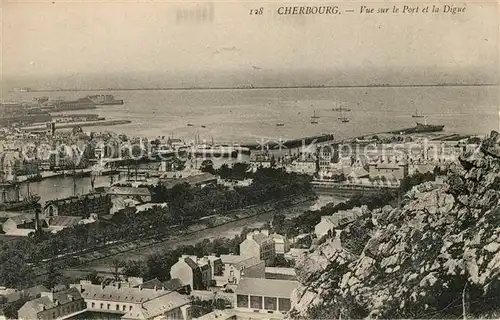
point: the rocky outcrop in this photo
(418, 259)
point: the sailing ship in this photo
(314, 118)
(12, 200)
(421, 128)
(343, 118)
(417, 115)
(280, 124)
(340, 109)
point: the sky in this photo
(65, 38)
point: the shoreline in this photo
(77, 124)
(268, 87)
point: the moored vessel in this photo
(104, 99)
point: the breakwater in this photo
(70, 125)
(292, 143)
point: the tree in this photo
(116, 264)
(53, 276)
(278, 222)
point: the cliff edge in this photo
(436, 255)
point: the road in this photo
(228, 230)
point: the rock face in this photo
(415, 260)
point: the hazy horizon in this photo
(143, 44)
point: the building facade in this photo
(259, 244)
(237, 267)
(264, 295)
(53, 305)
(82, 206)
(388, 170)
(197, 273)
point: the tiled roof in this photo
(266, 287)
(37, 305)
(240, 261)
(24, 218)
(36, 290)
(260, 238)
(158, 306)
(193, 265)
(119, 294)
(64, 221)
(44, 303)
(173, 284)
(128, 191)
(151, 284)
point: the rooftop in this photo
(266, 287)
(118, 293)
(128, 191)
(64, 221)
(158, 306)
(45, 302)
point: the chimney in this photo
(140, 287)
(102, 285)
(155, 288)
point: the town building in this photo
(118, 298)
(169, 306)
(197, 273)
(388, 170)
(195, 181)
(281, 273)
(141, 195)
(281, 243)
(304, 166)
(337, 221)
(237, 266)
(58, 223)
(264, 295)
(170, 285)
(53, 305)
(20, 224)
(259, 244)
(82, 206)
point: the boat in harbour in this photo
(344, 119)
(314, 116)
(341, 108)
(421, 128)
(218, 151)
(417, 115)
(12, 200)
(280, 124)
(104, 100)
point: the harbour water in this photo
(248, 116)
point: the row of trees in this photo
(158, 265)
(186, 205)
(305, 222)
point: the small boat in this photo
(203, 126)
(280, 124)
(341, 109)
(344, 119)
(314, 121)
(314, 116)
(190, 124)
(417, 115)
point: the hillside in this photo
(438, 249)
